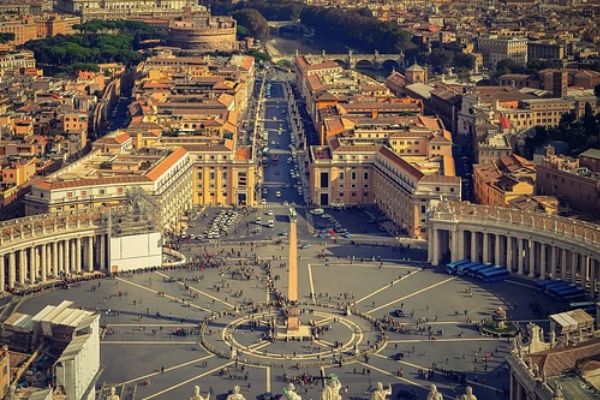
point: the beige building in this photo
(122, 9)
(503, 180)
(498, 48)
(571, 180)
(545, 50)
(107, 176)
(354, 172)
(223, 173)
(14, 61)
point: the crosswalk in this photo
(271, 205)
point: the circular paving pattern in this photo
(331, 337)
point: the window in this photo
(324, 180)
(353, 176)
(437, 189)
(365, 175)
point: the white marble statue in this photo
(380, 393)
(468, 394)
(434, 394)
(113, 394)
(236, 395)
(197, 396)
(289, 392)
(331, 391)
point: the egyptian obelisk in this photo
(293, 321)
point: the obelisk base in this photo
(293, 319)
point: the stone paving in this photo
(153, 321)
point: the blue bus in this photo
(465, 268)
(560, 291)
(555, 284)
(481, 272)
(472, 270)
(451, 267)
(499, 274)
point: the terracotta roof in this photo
(400, 162)
(553, 362)
(243, 154)
(166, 163)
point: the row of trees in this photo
(93, 45)
(251, 23)
(579, 134)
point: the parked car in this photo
(317, 211)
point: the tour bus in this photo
(474, 269)
(451, 266)
(498, 274)
(462, 269)
(479, 273)
(554, 284)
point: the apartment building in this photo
(498, 48)
(104, 178)
(355, 172)
(503, 180)
(223, 173)
(24, 28)
(123, 9)
(545, 50)
(15, 61)
(574, 180)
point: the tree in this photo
(7, 37)
(463, 61)
(589, 121)
(440, 59)
(253, 21)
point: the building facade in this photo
(495, 49)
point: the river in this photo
(315, 45)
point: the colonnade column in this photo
(486, 247)
(593, 277)
(33, 264)
(2, 277)
(498, 242)
(520, 256)
(473, 246)
(55, 260)
(90, 254)
(78, 255)
(461, 244)
(67, 256)
(574, 262)
(563, 264)
(531, 258)
(22, 266)
(509, 253)
(553, 262)
(12, 270)
(44, 261)
(102, 252)
(542, 261)
(454, 245)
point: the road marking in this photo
(174, 367)
(198, 291)
(400, 378)
(411, 295)
(259, 345)
(312, 286)
(325, 343)
(268, 378)
(163, 295)
(147, 342)
(187, 381)
(386, 287)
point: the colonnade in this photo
(52, 258)
(532, 245)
